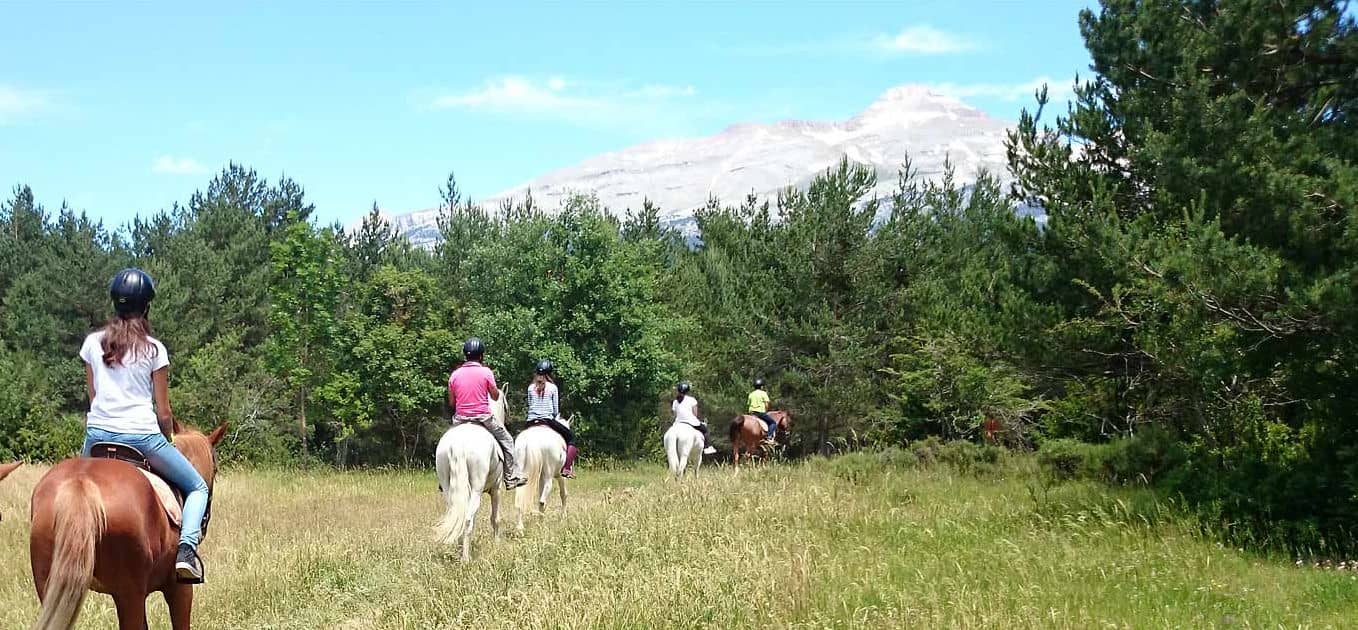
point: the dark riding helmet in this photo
(684, 387)
(473, 349)
(132, 291)
(545, 367)
(759, 383)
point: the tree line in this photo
(1193, 279)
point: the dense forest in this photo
(1185, 315)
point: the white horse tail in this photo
(456, 494)
(672, 454)
(531, 460)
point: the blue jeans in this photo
(170, 464)
(773, 426)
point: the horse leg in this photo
(473, 505)
(561, 489)
(179, 598)
(131, 611)
(495, 513)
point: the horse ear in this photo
(6, 469)
(217, 434)
(176, 427)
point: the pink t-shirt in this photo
(470, 385)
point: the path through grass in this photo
(810, 545)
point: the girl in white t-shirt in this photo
(685, 410)
(127, 375)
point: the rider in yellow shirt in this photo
(759, 406)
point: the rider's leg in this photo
(513, 475)
(567, 470)
(176, 469)
(773, 426)
(702, 428)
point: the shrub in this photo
(969, 458)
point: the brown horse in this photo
(747, 432)
(97, 525)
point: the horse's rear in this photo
(542, 453)
(468, 463)
(748, 432)
(97, 525)
(683, 443)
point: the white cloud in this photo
(579, 102)
(1057, 91)
(170, 165)
(922, 39)
(16, 103)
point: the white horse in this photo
(683, 442)
(469, 463)
(543, 453)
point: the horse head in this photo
(200, 449)
(783, 419)
(497, 409)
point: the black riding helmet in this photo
(684, 387)
(132, 291)
(545, 367)
(759, 383)
(473, 349)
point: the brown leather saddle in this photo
(122, 453)
(134, 456)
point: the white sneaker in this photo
(709, 451)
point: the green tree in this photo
(304, 295)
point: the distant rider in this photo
(471, 387)
(759, 407)
(544, 407)
(685, 409)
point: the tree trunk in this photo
(301, 420)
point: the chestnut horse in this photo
(97, 525)
(747, 432)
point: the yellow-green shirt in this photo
(759, 401)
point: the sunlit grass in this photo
(808, 545)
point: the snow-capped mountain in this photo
(680, 175)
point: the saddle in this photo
(170, 498)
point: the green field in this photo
(837, 543)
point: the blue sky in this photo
(124, 108)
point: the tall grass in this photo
(860, 541)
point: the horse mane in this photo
(197, 447)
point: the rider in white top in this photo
(685, 409)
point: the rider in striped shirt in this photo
(544, 407)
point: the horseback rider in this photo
(759, 407)
(471, 387)
(685, 410)
(544, 407)
(127, 378)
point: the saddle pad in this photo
(173, 510)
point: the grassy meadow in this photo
(837, 543)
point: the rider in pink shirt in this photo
(470, 389)
(471, 385)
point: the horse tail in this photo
(671, 442)
(79, 522)
(530, 457)
(456, 494)
(736, 423)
